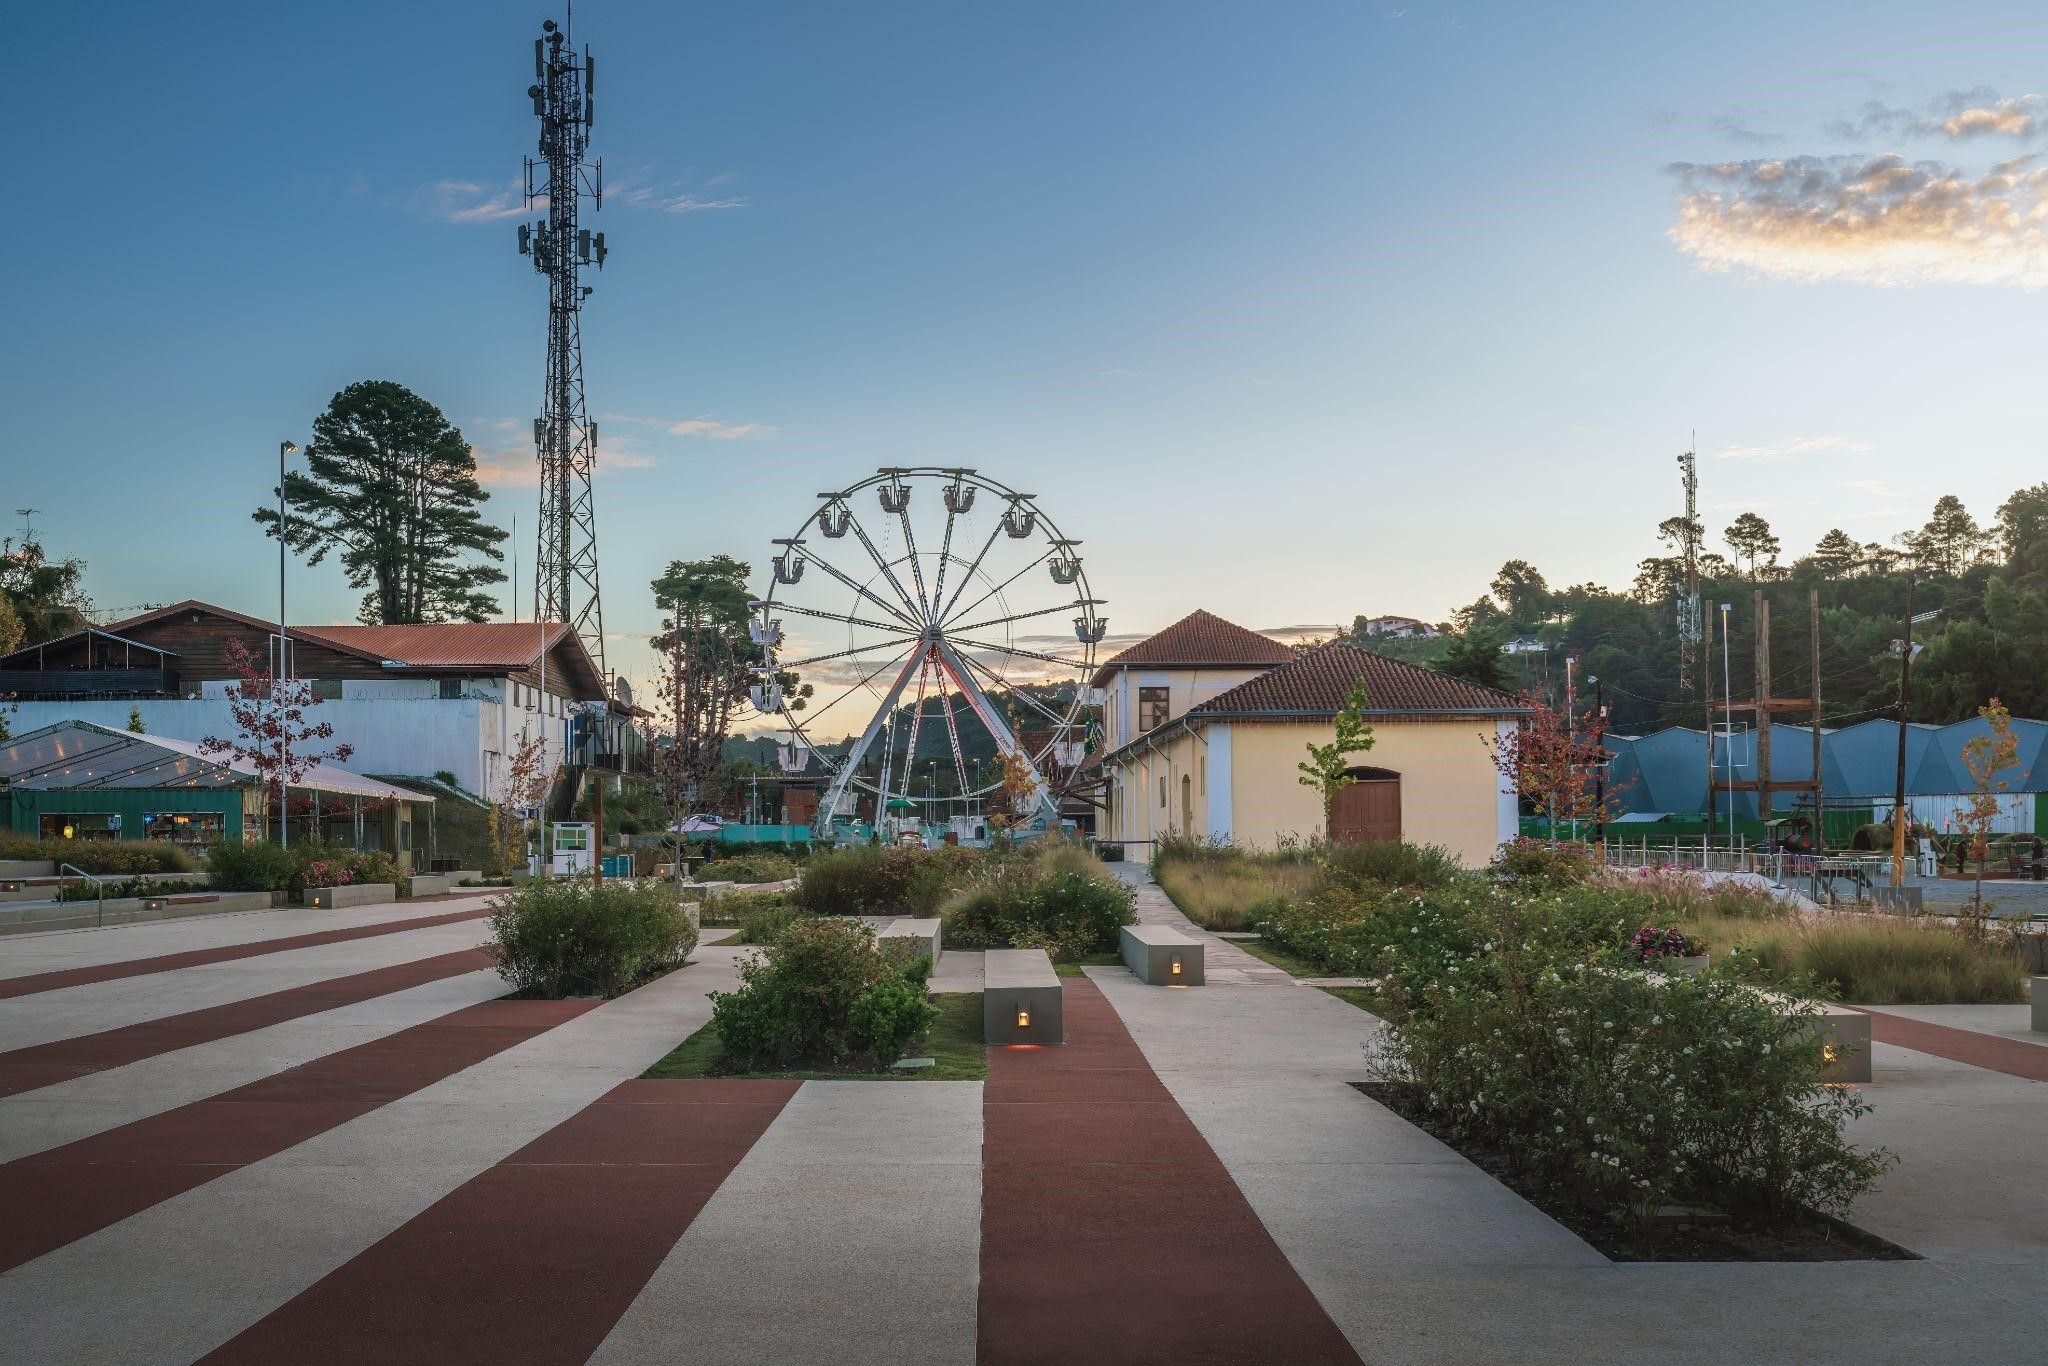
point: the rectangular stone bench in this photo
(1162, 956)
(1845, 1040)
(360, 894)
(921, 934)
(429, 884)
(1020, 998)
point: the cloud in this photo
(1804, 445)
(718, 431)
(1731, 127)
(674, 197)
(516, 465)
(1867, 220)
(465, 201)
(1957, 115)
(1876, 488)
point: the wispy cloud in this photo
(719, 431)
(1956, 115)
(1868, 220)
(675, 196)
(466, 201)
(1803, 445)
(1732, 127)
(1876, 488)
(515, 465)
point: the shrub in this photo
(1623, 1092)
(1652, 942)
(557, 937)
(1395, 863)
(821, 995)
(124, 887)
(761, 915)
(1041, 903)
(880, 880)
(1217, 887)
(752, 867)
(130, 857)
(1534, 863)
(249, 866)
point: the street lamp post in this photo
(277, 680)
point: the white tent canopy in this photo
(72, 755)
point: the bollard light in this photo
(1023, 1016)
(1174, 971)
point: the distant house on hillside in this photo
(458, 697)
(1207, 723)
(1524, 645)
(1394, 628)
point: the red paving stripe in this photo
(1110, 1230)
(535, 1259)
(37, 982)
(25, 1069)
(59, 1196)
(1987, 1051)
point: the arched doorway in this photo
(1187, 805)
(1367, 811)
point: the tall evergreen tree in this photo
(392, 486)
(1750, 537)
(1836, 552)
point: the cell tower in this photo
(1689, 594)
(565, 581)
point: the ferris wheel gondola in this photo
(937, 603)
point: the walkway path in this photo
(1223, 962)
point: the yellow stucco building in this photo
(1206, 722)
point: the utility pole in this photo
(1600, 770)
(1728, 715)
(1905, 697)
(565, 572)
(1763, 706)
(1820, 836)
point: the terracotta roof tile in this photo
(1199, 638)
(1321, 681)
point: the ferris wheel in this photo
(951, 595)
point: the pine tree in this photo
(1836, 552)
(1749, 536)
(392, 486)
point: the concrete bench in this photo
(1020, 998)
(921, 935)
(429, 884)
(1162, 956)
(359, 894)
(1844, 1037)
(2037, 993)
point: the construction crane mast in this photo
(565, 582)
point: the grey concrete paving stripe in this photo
(1110, 1229)
(61, 1195)
(1421, 1257)
(54, 1115)
(58, 979)
(101, 1006)
(535, 1259)
(25, 1069)
(199, 1268)
(850, 1233)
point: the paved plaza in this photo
(325, 1136)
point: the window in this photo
(327, 689)
(88, 825)
(451, 688)
(1162, 792)
(190, 830)
(1152, 705)
(1202, 772)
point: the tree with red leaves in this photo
(274, 736)
(1555, 765)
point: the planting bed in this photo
(1696, 1236)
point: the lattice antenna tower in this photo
(565, 580)
(1689, 634)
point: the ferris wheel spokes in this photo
(1006, 740)
(917, 614)
(840, 780)
(993, 648)
(867, 649)
(893, 609)
(1001, 586)
(1026, 616)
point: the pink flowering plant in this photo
(1652, 942)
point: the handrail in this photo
(99, 885)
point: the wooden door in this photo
(1368, 811)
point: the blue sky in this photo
(1287, 311)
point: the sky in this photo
(1287, 311)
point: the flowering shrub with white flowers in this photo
(1623, 1091)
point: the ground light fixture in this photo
(1023, 1015)
(1173, 970)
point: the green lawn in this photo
(1072, 967)
(955, 1042)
